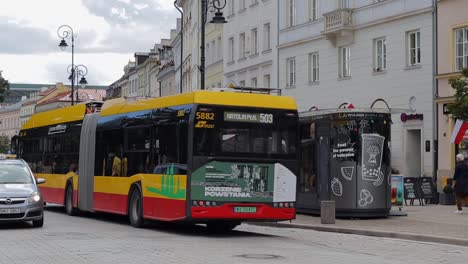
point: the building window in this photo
(231, 8)
(314, 67)
(291, 13)
(208, 59)
(266, 37)
(461, 45)
(231, 49)
(266, 80)
(253, 82)
(343, 4)
(313, 10)
(291, 72)
(254, 40)
(344, 56)
(414, 48)
(242, 83)
(220, 49)
(380, 55)
(242, 45)
(213, 52)
(242, 5)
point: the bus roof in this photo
(205, 97)
(77, 112)
(56, 116)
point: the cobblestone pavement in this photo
(99, 238)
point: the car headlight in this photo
(34, 198)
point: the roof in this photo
(28, 86)
(13, 107)
(205, 97)
(57, 116)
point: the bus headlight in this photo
(34, 197)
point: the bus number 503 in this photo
(266, 118)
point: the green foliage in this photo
(459, 108)
(4, 144)
(4, 87)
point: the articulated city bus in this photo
(210, 157)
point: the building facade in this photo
(452, 57)
(214, 53)
(250, 41)
(10, 120)
(331, 52)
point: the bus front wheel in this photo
(69, 201)
(135, 209)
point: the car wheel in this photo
(38, 223)
(69, 201)
(135, 209)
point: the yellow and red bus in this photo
(210, 157)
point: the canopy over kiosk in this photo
(345, 156)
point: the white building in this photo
(250, 40)
(355, 51)
(176, 49)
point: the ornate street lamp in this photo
(217, 19)
(66, 32)
(77, 71)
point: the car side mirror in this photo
(40, 180)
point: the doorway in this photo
(413, 153)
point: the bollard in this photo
(327, 212)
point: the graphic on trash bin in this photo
(365, 198)
(347, 173)
(372, 152)
(337, 187)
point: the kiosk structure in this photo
(345, 156)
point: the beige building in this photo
(452, 51)
(10, 120)
(166, 75)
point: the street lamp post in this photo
(66, 32)
(217, 19)
(77, 71)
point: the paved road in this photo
(99, 238)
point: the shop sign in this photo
(405, 117)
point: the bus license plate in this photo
(241, 209)
(10, 211)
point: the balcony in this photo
(338, 23)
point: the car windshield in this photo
(14, 173)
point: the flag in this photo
(459, 131)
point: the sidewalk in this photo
(431, 223)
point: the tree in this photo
(4, 144)
(459, 108)
(4, 87)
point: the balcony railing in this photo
(337, 21)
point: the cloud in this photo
(17, 39)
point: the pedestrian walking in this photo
(460, 183)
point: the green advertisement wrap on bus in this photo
(243, 182)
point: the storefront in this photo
(345, 157)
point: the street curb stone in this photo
(374, 233)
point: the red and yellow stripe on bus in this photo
(53, 189)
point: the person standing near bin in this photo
(460, 183)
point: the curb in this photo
(373, 233)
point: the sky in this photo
(108, 33)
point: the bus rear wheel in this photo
(135, 209)
(69, 201)
(221, 227)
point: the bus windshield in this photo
(250, 133)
